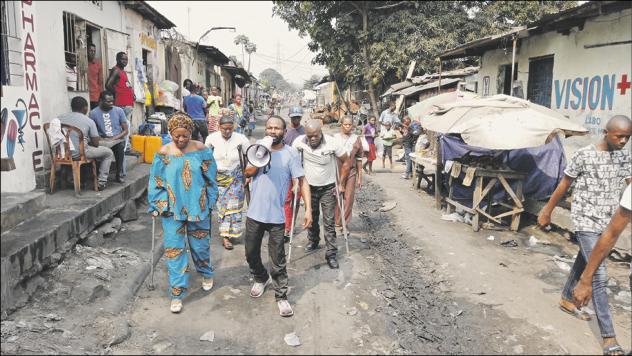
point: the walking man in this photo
(194, 106)
(389, 115)
(320, 173)
(294, 131)
(265, 213)
(599, 171)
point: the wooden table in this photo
(423, 168)
(485, 180)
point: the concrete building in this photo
(576, 61)
(44, 65)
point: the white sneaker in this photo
(285, 309)
(176, 306)
(207, 284)
(258, 288)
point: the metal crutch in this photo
(294, 203)
(341, 203)
(153, 238)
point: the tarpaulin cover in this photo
(544, 166)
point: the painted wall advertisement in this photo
(21, 138)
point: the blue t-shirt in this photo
(195, 105)
(109, 123)
(269, 190)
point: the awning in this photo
(240, 75)
(419, 88)
(396, 87)
(143, 8)
(213, 53)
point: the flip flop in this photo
(615, 349)
(581, 315)
(227, 244)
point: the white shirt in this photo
(225, 151)
(626, 198)
(346, 142)
(318, 163)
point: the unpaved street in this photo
(412, 283)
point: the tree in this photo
(311, 82)
(273, 79)
(235, 60)
(372, 42)
(242, 40)
(250, 49)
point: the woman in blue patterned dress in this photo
(182, 190)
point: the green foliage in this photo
(399, 32)
(311, 82)
(270, 79)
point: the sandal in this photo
(579, 314)
(227, 244)
(615, 349)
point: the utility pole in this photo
(278, 56)
(189, 21)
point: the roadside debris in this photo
(454, 217)
(208, 336)
(388, 206)
(490, 238)
(533, 241)
(510, 243)
(292, 339)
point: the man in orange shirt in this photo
(95, 76)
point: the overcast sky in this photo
(251, 18)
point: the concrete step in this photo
(18, 207)
(40, 241)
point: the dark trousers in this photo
(276, 250)
(324, 197)
(119, 156)
(200, 128)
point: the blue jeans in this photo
(409, 162)
(587, 241)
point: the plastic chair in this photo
(67, 160)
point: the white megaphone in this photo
(258, 154)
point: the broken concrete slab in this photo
(129, 212)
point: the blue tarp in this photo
(544, 166)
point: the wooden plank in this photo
(503, 181)
(515, 219)
(479, 210)
(477, 197)
(438, 176)
(459, 205)
(489, 186)
(448, 207)
(507, 213)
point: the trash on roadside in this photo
(510, 243)
(563, 266)
(490, 238)
(533, 241)
(387, 206)
(292, 339)
(563, 259)
(454, 217)
(208, 336)
(353, 311)
(503, 264)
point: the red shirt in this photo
(95, 79)
(123, 93)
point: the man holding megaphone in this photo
(273, 165)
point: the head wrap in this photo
(180, 120)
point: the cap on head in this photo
(296, 111)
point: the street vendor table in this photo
(485, 180)
(423, 168)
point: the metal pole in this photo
(294, 203)
(513, 63)
(341, 204)
(243, 170)
(153, 235)
(439, 88)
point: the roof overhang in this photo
(562, 22)
(412, 90)
(212, 52)
(240, 75)
(143, 8)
